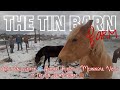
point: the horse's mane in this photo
(40, 52)
(74, 31)
(98, 49)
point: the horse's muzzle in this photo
(64, 63)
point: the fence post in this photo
(9, 59)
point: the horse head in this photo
(116, 55)
(77, 45)
(38, 57)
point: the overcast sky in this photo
(66, 13)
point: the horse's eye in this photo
(74, 40)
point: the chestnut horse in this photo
(78, 48)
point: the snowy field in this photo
(23, 67)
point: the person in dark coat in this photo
(26, 39)
(19, 41)
(11, 43)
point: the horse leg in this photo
(48, 62)
(44, 62)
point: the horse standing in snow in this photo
(47, 51)
(116, 55)
(79, 48)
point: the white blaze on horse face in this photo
(74, 21)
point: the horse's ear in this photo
(86, 27)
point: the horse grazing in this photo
(47, 51)
(93, 58)
(116, 55)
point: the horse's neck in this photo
(40, 53)
(95, 60)
(98, 54)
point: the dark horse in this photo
(116, 55)
(47, 51)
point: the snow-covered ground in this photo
(23, 67)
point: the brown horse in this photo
(116, 55)
(48, 51)
(78, 48)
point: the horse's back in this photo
(53, 48)
(51, 51)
